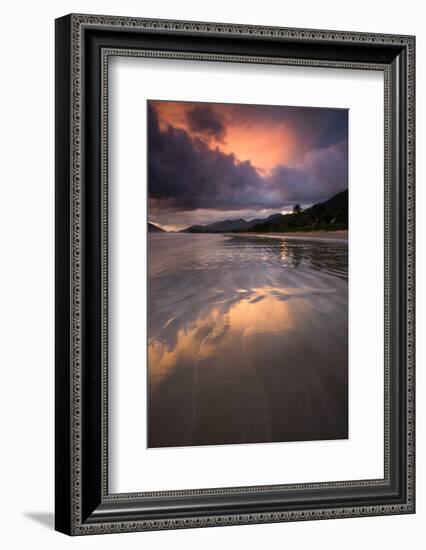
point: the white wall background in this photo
(26, 289)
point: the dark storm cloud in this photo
(185, 174)
(322, 174)
(203, 120)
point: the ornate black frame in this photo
(83, 46)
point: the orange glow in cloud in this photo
(264, 143)
(265, 146)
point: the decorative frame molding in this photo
(83, 47)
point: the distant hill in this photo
(219, 227)
(252, 223)
(154, 228)
(328, 215)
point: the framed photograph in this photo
(234, 274)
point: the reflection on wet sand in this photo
(247, 340)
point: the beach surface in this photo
(247, 339)
(340, 235)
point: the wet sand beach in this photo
(247, 339)
(340, 235)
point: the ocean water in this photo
(247, 339)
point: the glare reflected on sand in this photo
(212, 334)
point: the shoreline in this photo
(338, 235)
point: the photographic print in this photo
(247, 273)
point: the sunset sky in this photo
(209, 162)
